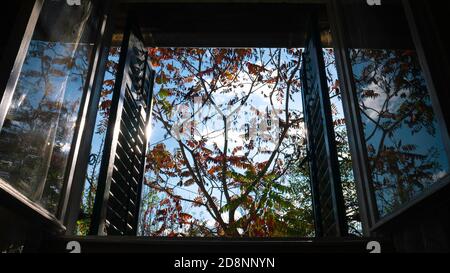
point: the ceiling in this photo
(221, 24)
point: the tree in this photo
(231, 138)
(239, 180)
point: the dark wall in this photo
(13, 230)
(439, 12)
(431, 18)
(14, 17)
(22, 225)
(7, 18)
(423, 228)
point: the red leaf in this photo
(170, 67)
(165, 202)
(185, 217)
(106, 104)
(162, 212)
(172, 235)
(109, 83)
(198, 201)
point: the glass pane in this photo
(404, 142)
(226, 146)
(37, 135)
(342, 145)
(98, 142)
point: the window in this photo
(343, 148)
(403, 140)
(227, 154)
(37, 132)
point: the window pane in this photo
(98, 142)
(342, 145)
(404, 142)
(37, 135)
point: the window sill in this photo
(428, 197)
(18, 203)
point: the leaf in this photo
(281, 188)
(237, 149)
(235, 202)
(105, 105)
(162, 79)
(370, 94)
(280, 200)
(155, 63)
(339, 122)
(165, 202)
(188, 79)
(166, 106)
(170, 67)
(189, 182)
(179, 208)
(229, 76)
(335, 86)
(185, 217)
(254, 68)
(214, 169)
(162, 212)
(192, 143)
(164, 93)
(186, 174)
(198, 201)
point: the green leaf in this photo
(166, 106)
(280, 200)
(164, 93)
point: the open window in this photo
(228, 150)
(400, 137)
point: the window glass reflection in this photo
(37, 134)
(403, 140)
(98, 142)
(404, 144)
(342, 145)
